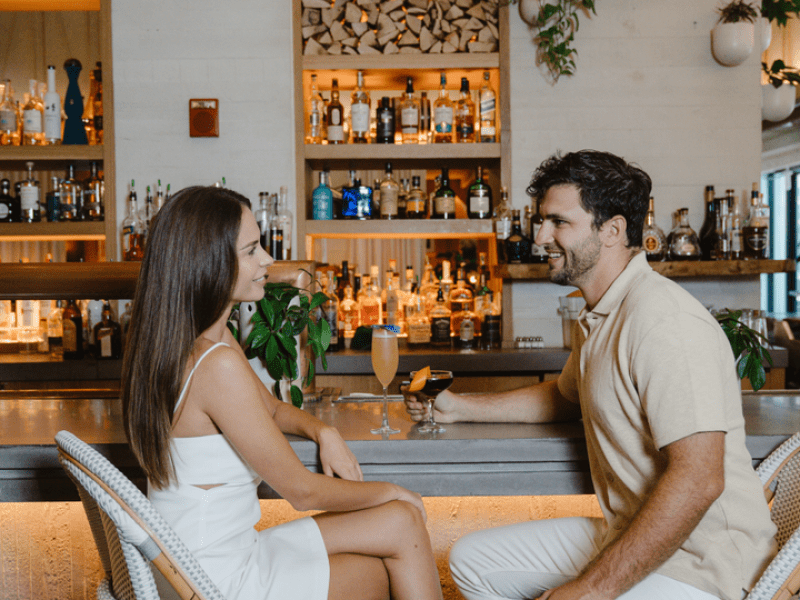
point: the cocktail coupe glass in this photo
(385, 359)
(438, 382)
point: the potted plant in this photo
(273, 327)
(733, 37)
(779, 11)
(778, 95)
(748, 348)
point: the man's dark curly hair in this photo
(608, 186)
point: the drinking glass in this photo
(385, 359)
(438, 382)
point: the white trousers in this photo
(523, 560)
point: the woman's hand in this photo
(336, 457)
(412, 498)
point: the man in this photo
(652, 375)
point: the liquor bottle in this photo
(285, 221)
(72, 332)
(348, 318)
(682, 241)
(8, 116)
(97, 103)
(335, 116)
(344, 280)
(737, 251)
(55, 331)
(52, 109)
(756, 231)
(316, 115)
(538, 253)
(723, 226)
(275, 230)
(518, 245)
(33, 118)
(93, 196)
(443, 114)
(654, 241)
(160, 199)
(9, 206)
(390, 192)
(708, 231)
(70, 196)
(488, 102)
(88, 112)
(502, 223)
(416, 201)
(330, 311)
(418, 323)
(460, 297)
(479, 198)
(464, 114)
(409, 114)
(440, 321)
(107, 336)
(385, 123)
(446, 282)
(322, 199)
(52, 203)
(370, 307)
(492, 323)
(444, 200)
(429, 286)
(263, 218)
(394, 309)
(359, 112)
(132, 229)
(146, 214)
(402, 199)
(29, 195)
(424, 118)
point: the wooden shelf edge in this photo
(364, 62)
(398, 229)
(719, 268)
(322, 152)
(47, 281)
(95, 230)
(61, 152)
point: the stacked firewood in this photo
(399, 26)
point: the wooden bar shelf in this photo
(365, 62)
(60, 152)
(436, 152)
(46, 231)
(677, 269)
(399, 228)
(65, 280)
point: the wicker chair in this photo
(130, 534)
(780, 475)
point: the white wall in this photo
(646, 88)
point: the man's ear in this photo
(615, 231)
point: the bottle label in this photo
(445, 205)
(29, 197)
(409, 119)
(415, 204)
(330, 314)
(503, 228)
(443, 119)
(652, 244)
(479, 201)
(52, 121)
(315, 118)
(69, 337)
(440, 330)
(4, 211)
(487, 108)
(359, 118)
(466, 128)
(323, 207)
(466, 331)
(32, 121)
(419, 333)
(335, 133)
(389, 202)
(8, 120)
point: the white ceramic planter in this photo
(529, 10)
(732, 43)
(766, 33)
(777, 103)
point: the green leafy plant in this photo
(779, 73)
(275, 324)
(737, 11)
(747, 347)
(780, 10)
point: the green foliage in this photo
(557, 23)
(276, 322)
(747, 347)
(737, 11)
(780, 10)
(779, 73)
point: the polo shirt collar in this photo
(616, 293)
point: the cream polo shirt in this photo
(651, 366)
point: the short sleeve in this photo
(568, 379)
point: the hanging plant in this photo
(747, 346)
(737, 11)
(780, 10)
(779, 74)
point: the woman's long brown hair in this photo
(185, 283)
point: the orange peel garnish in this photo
(420, 377)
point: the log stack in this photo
(399, 26)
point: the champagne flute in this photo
(385, 359)
(438, 382)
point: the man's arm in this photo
(693, 480)
(539, 403)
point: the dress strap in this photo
(194, 368)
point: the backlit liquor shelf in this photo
(44, 231)
(58, 152)
(675, 269)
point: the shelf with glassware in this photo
(54, 160)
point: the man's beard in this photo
(578, 261)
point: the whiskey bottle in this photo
(146, 214)
(385, 122)
(465, 114)
(316, 115)
(723, 226)
(444, 200)
(518, 245)
(756, 231)
(8, 116)
(29, 196)
(33, 118)
(335, 116)
(132, 229)
(419, 325)
(107, 336)
(55, 331)
(682, 240)
(9, 206)
(708, 231)
(443, 114)
(492, 323)
(424, 118)
(263, 219)
(275, 230)
(72, 332)
(440, 321)
(93, 194)
(416, 201)
(52, 109)
(488, 102)
(654, 241)
(479, 198)
(322, 199)
(736, 233)
(409, 114)
(348, 318)
(359, 112)
(502, 223)
(538, 253)
(71, 196)
(343, 281)
(370, 306)
(402, 199)
(390, 192)
(160, 198)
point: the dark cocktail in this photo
(438, 382)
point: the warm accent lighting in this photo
(38, 5)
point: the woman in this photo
(205, 444)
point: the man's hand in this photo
(574, 590)
(417, 407)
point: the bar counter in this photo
(468, 459)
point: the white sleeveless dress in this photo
(218, 525)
